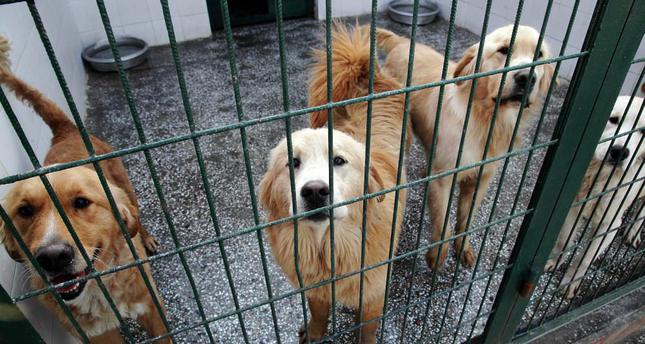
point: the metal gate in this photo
(525, 304)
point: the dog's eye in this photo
(26, 211)
(296, 163)
(339, 161)
(613, 120)
(503, 50)
(81, 202)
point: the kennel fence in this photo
(525, 305)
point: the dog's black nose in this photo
(618, 153)
(55, 258)
(522, 80)
(315, 194)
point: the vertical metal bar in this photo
(366, 170)
(330, 163)
(565, 164)
(420, 229)
(200, 160)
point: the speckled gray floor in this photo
(205, 63)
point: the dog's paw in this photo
(151, 244)
(569, 289)
(302, 337)
(468, 257)
(634, 239)
(433, 262)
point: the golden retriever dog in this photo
(310, 162)
(624, 157)
(79, 190)
(428, 65)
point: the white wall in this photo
(142, 19)
(346, 8)
(30, 62)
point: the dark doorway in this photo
(245, 12)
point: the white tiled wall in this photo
(345, 8)
(142, 19)
(30, 62)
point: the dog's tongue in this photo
(66, 277)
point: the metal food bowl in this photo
(401, 11)
(133, 52)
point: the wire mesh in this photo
(434, 321)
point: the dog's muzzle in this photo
(315, 194)
(617, 154)
(524, 84)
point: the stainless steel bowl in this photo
(401, 11)
(133, 52)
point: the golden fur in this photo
(96, 226)
(350, 66)
(428, 66)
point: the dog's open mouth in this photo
(72, 291)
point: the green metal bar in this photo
(14, 327)
(433, 148)
(539, 230)
(368, 143)
(402, 143)
(198, 152)
(552, 85)
(285, 107)
(330, 162)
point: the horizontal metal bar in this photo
(288, 114)
(638, 60)
(610, 190)
(294, 292)
(580, 311)
(613, 138)
(322, 209)
(338, 277)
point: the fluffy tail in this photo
(44, 107)
(387, 40)
(350, 70)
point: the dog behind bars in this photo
(81, 195)
(311, 164)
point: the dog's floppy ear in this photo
(128, 211)
(9, 243)
(376, 183)
(546, 78)
(466, 65)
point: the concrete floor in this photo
(205, 64)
